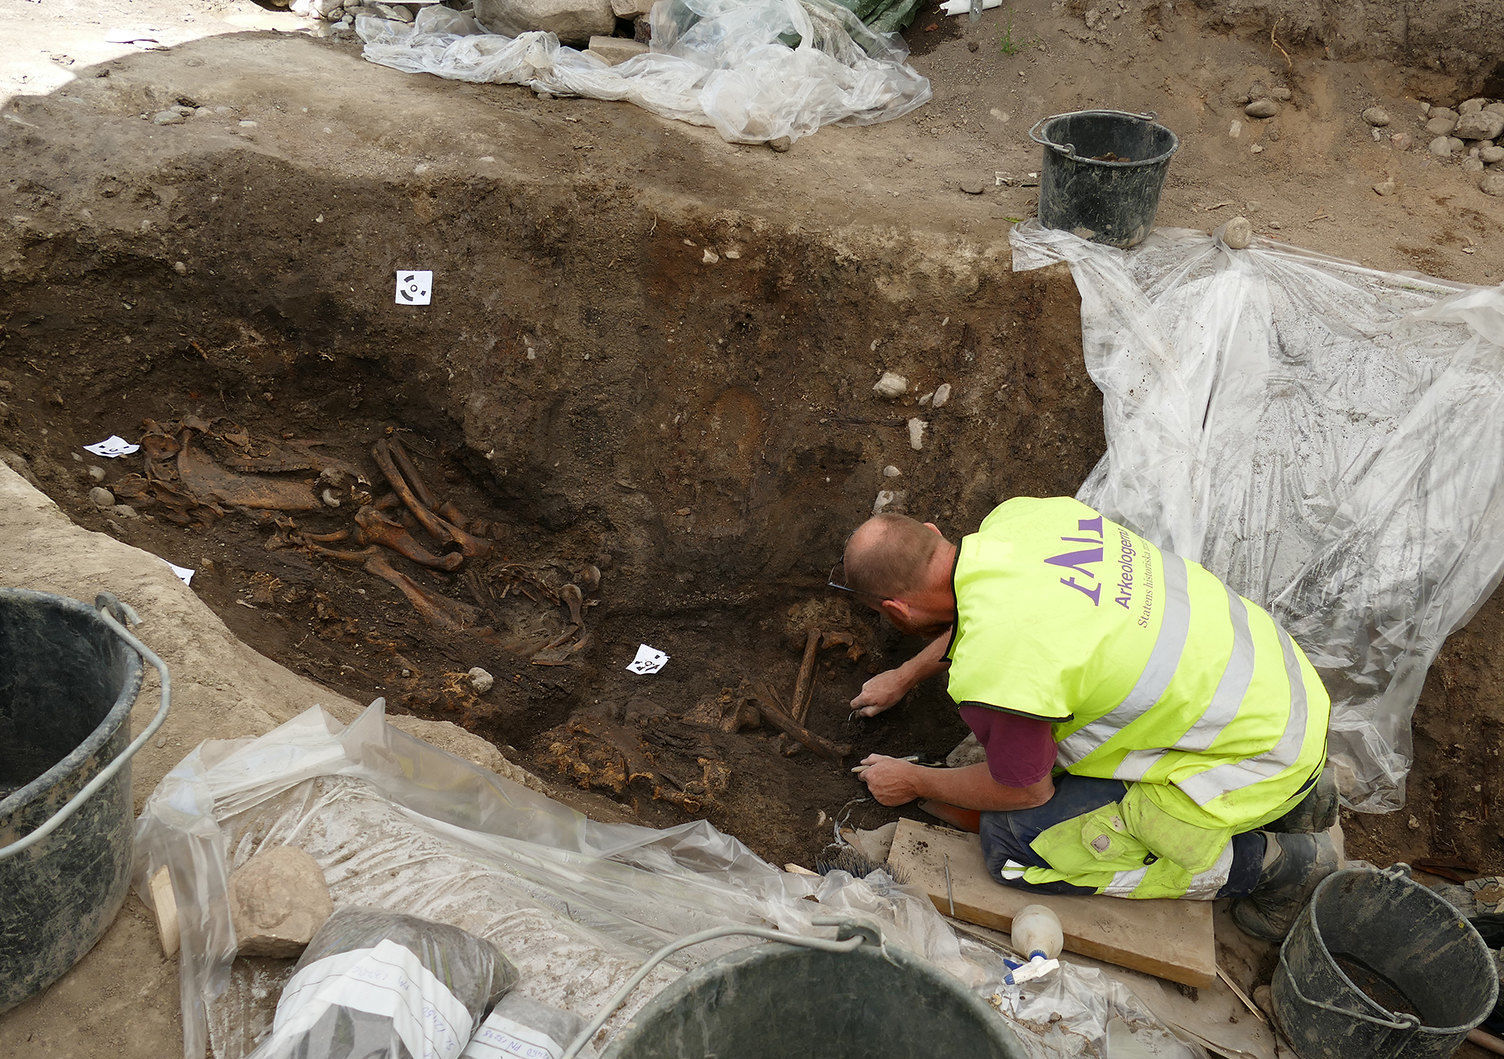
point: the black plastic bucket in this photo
(1379, 966)
(69, 674)
(1103, 172)
(874, 1002)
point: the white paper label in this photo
(185, 575)
(386, 981)
(648, 660)
(415, 288)
(502, 1038)
(112, 446)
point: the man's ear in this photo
(894, 608)
(934, 528)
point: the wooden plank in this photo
(1169, 939)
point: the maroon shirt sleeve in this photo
(1020, 750)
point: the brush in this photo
(855, 863)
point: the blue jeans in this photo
(1008, 836)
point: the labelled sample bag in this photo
(381, 985)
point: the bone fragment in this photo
(378, 529)
(471, 547)
(804, 684)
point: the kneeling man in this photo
(1148, 731)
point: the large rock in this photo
(278, 900)
(1480, 125)
(572, 21)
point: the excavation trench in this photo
(668, 412)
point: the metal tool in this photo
(975, 15)
(950, 896)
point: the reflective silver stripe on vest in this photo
(1220, 711)
(1224, 779)
(1205, 885)
(1124, 882)
(1157, 674)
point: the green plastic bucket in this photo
(1379, 966)
(1103, 172)
(785, 1000)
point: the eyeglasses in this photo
(837, 581)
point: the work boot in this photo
(1285, 885)
(1317, 811)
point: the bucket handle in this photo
(116, 615)
(1069, 149)
(1406, 1021)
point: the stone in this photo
(1493, 184)
(1455, 144)
(101, 497)
(278, 900)
(942, 394)
(395, 12)
(1491, 155)
(1376, 116)
(480, 680)
(1494, 108)
(124, 511)
(633, 9)
(1441, 147)
(1444, 112)
(888, 499)
(973, 185)
(572, 21)
(1280, 92)
(917, 427)
(781, 144)
(1479, 126)
(891, 471)
(892, 385)
(1385, 187)
(1262, 108)
(96, 472)
(1402, 141)
(1472, 165)
(1237, 233)
(1441, 126)
(1472, 106)
(167, 117)
(710, 257)
(616, 50)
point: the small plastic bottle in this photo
(1038, 938)
(1036, 932)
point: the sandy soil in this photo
(200, 269)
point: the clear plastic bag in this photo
(395, 823)
(382, 985)
(755, 70)
(1327, 438)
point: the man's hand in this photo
(890, 780)
(880, 693)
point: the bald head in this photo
(890, 556)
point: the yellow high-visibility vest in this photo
(1151, 670)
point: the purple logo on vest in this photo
(1081, 560)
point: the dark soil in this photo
(605, 405)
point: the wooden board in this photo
(1169, 939)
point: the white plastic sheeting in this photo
(723, 63)
(1327, 438)
(575, 905)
